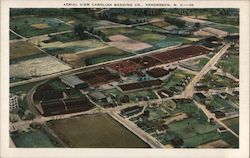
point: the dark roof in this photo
(200, 95)
(139, 85)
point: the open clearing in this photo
(23, 49)
(94, 57)
(40, 67)
(95, 131)
(215, 144)
(40, 26)
(127, 44)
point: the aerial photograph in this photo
(124, 78)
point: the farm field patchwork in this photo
(95, 131)
(30, 26)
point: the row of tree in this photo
(80, 30)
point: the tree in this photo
(197, 25)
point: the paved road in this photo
(29, 99)
(190, 88)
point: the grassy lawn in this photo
(230, 65)
(32, 139)
(22, 25)
(233, 124)
(95, 131)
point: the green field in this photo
(231, 20)
(159, 40)
(64, 37)
(124, 31)
(95, 131)
(103, 55)
(22, 25)
(230, 65)
(32, 139)
(227, 28)
(233, 124)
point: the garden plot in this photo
(127, 44)
(40, 67)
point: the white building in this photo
(13, 102)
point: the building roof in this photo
(74, 80)
(126, 67)
(200, 95)
(98, 95)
